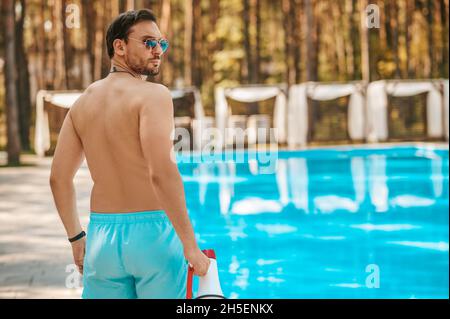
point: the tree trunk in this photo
(12, 120)
(408, 26)
(395, 37)
(99, 41)
(89, 17)
(384, 26)
(349, 48)
(188, 25)
(197, 46)
(154, 5)
(431, 45)
(355, 39)
(42, 47)
(125, 5)
(122, 6)
(444, 37)
(330, 46)
(67, 57)
(339, 40)
(23, 81)
(165, 28)
(257, 66)
(212, 48)
(248, 70)
(138, 4)
(60, 72)
(317, 29)
(213, 45)
(387, 21)
(39, 47)
(105, 61)
(291, 40)
(365, 62)
(427, 11)
(51, 72)
(296, 37)
(311, 42)
(164, 22)
(286, 8)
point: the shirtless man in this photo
(139, 239)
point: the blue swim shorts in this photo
(133, 255)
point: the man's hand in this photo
(198, 260)
(78, 251)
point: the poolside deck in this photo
(34, 251)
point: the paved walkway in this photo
(34, 251)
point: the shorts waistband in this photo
(134, 217)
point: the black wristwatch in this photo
(79, 236)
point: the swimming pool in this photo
(349, 222)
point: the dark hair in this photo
(121, 26)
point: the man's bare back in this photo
(106, 118)
(122, 126)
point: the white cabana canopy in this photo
(198, 123)
(250, 94)
(66, 99)
(42, 128)
(198, 106)
(298, 108)
(437, 105)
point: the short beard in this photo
(147, 72)
(144, 71)
(152, 72)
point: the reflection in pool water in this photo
(312, 227)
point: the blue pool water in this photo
(326, 223)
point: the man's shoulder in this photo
(89, 90)
(152, 93)
(93, 87)
(85, 96)
(151, 88)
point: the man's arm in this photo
(67, 159)
(155, 128)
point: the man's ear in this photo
(119, 47)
